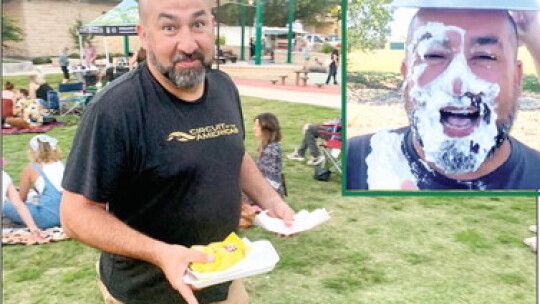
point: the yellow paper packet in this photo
(226, 254)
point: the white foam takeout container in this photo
(514, 5)
(303, 220)
(260, 259)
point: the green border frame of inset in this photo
(344, 191)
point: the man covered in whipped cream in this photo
(462, 81)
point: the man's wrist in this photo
(272, 203)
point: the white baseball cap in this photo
(513, 5)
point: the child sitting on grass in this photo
(44, 174)
(12, 201)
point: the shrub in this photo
(326, 48)
(221, 40)
(74, 55)
(41, 60)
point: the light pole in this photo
(259, 10)
(289, 35)
(243, 26)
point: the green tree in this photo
(74, 33)
(275, 12)
(368, 26)
(10, 31)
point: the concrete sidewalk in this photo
(313, 98)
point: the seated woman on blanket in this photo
(267, 130)
(11, 198)
(41, 183)
(28, 112)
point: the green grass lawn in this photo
(380, 69)
(373, 250)
(386, 60)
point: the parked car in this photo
(314, 41)
(334, 41)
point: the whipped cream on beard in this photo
(470, 115)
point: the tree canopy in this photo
(10, 31)
(368, 24)
(276, 12)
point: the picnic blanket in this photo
(12, 236)
(41, 129)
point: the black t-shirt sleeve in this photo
(98, 159)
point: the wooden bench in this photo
(274, 81)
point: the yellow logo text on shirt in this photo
(207, 132)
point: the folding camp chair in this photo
(331, 147)
(7, 107)
(78, 102)
(53, 101)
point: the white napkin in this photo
(303, 220)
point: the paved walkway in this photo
(326, 96)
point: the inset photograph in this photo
(445, 97)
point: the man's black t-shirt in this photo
(521, 171)
(166, 167)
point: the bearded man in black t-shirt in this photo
(462, 83)
(162, 148)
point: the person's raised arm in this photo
(89, 222)
(259, 190)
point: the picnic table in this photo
(298, 72)
(84, 72)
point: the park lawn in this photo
(387, 60)
(380, 69)
(374, 250)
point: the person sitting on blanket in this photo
(11, 198)
(43, 175)
(309, 141)
(9, 91)
(29, 112)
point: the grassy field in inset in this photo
(387, 60)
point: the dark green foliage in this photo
(10, 31)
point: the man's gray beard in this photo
(186, 78)
(453, 160)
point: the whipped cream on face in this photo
(471, 112)
(387, 167)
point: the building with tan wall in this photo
(46, 23)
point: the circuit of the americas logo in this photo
(212, 131)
